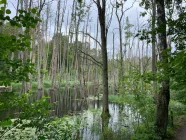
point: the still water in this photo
(86, 103)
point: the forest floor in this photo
(181, 132)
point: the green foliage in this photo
(33, 119)
(143, 103)
(179, 94)
(177, 108)
(8, 29)
(145, 132)
(80, 1)
(14, 70)
(8, 11)
(111, 135)
(118, 5)
(65, 128)
(3, 2)
(35, 113)
(121, 99)
(144, 35)
(81, 10)
(127, 28)
(177, 59)
(178, 64)
(16, 87)
(146, 3)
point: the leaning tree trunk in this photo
(164, 93)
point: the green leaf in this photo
(7, 18)
(13, 37)
(20, 11)
(8, 11)
(80, 1)
(2, 1)
(34, 10)
(2, 8)
(33, 25)
(6, 123)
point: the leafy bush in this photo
(65, 128)
(34, 121)
(145, 132)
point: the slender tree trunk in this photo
(164, 93)
(64, 45)
(102, 20)
(121, 73)
(25, 57)
(46, 49)
(39, 57)
(154, 69)
(113, 54)
(55, 49)
(119, 19)
(97, 30)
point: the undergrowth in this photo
(145, 105)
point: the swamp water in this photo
(85, 104)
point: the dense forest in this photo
(92, 69)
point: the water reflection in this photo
(84, 102)
(76, 100)
(120, 124)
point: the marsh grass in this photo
(47, 84)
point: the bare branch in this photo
(130, 6)
(98, 4)
(110, 20)
(134, 66)
(95, 2)
(41, 6)
(89, 36)
(97, 62)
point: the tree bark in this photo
(101, 15)
(154, 69)
(119, 19)
(164, 93)
(55, 48)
